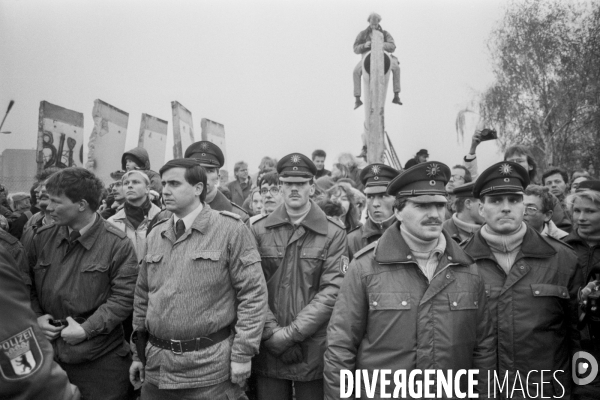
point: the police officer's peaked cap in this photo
(208, 153)
(296, 167)
(423, 183)
(590, 184)
(376, 177)
(505, 177)
(465, 190)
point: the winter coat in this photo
(304, 267)
(534, 308)
(389, 316)
(239, 195)
(366, 234)
(137, 236)
(359, 44)
(141, 158)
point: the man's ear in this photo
(83, 205)
(198, 188)
(547, 216)
(398, 214)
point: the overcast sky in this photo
(277, 74)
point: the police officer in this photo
(11, 245)
(413, 299)
(532, 284)
(27, 367)
(466, 220)
(380, 206)
(304, 258)
(211, 158)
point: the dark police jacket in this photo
(533, 309)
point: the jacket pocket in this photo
(463, 301)
(95, 268)
(313, 253)
(545, 290)
(389, 301)
(212, 255)
(153, 258)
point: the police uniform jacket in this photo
(304, 267)
(369, 232)
(27, 367)
(94, 280)
(533, 309)
(194, 286)
(389, 316)
(11, 245)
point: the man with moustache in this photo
(304, 258)
(380, 207)
(413, 299)
(201, 296)
(531, 281)
(83, 272)
(466, 220)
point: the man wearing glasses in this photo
(304, 258)
(538, 211)
(460, 176)
(271, 197)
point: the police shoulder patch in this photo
(344, 262)
(336, 222)
(366, 249)
(230, 214)
(20, 355)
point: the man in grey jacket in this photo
(201, 296)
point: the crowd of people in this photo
(170, 285)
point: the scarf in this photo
(426, 253)
(466, 229)
(504, 247)
(136, 215)
(297, 218)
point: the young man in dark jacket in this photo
(531, 283)
(304, 258)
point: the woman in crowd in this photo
(342, 193)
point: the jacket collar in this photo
(88, 239)
(392, 248)
(200, 224)
(533, 246)
(316, 220)
(371, 227)
(120, 215)
(220, 202)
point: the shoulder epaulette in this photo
(366, 249)
(258, 218)
(230, 214)
(354, 229)
(114, 230)
(336, 222)
(238, 207)
(555, 240)
(160, 221)
(7, 237)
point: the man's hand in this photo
(278, 343)
(368, 44)
(51, 332)
(239, 372)
(475, 140)
(587, 289)
(293, 355)
(137, 374)
(73, 333)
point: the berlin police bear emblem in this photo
(20, 355)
